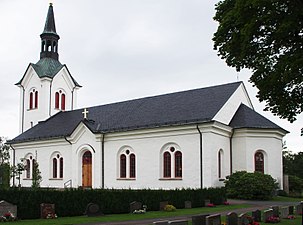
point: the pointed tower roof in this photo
(50, 27)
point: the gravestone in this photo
(267, 213)
(178, 222)
(232, 218)
(93, 209)
(276, 210)
(242, 219)
(164, 222)
(257, 215)
(284, 212)
(299, 209)
(291, 210)
(199, 219)
(6, 207)
(163, 204)
(47, 211)
(214, 219)
(206, 202)
(135, 206)
(187, 204)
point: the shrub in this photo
(244, 185)
(169, 208)
(295, 185)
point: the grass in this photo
(287, 199)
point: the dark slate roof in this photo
(186, 107)
(246, 117)
(50, 27)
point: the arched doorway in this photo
(87, 170)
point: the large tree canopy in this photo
(265, 36)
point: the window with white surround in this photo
(172, 162)
(220, 164)
(60, 100)
(259, 161)
(28, 166)
(57, 166)
(33, 99)
(127, 163)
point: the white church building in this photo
(188, 139)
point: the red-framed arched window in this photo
(122, 166)
(55, 168)
(166, 164)
(132, 166)
(259, 162)
(63, 101)
(61, 168)
(57, 97)
(60, 100)
(28, 169)
(33, 99)
(178, 164)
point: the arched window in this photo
(60, 100)
(33, 99)
(172, 162)
(178, 164)
(127, 163)
(259, 162)
(132, 166)
(220, 163)
(63, 101)
(57, 96)
(122, 166)
(167, 164)
(28, 169)
(57, 166)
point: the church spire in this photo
(49, 37)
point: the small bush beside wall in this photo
(72, 202)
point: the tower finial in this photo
(49, 36)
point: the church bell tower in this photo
(47, 87)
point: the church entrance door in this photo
(87, 170)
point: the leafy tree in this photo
(292, 163)
(4, 164)
(265, 36)
(245, 185)
(36, 178)
(295, 185)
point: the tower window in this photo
(33, 99)
(60, 100)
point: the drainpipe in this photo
(14, 163)
(50, 98)
(201, 158)
(102, 152)
(231, 151)
(23, 103)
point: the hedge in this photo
(72, 202)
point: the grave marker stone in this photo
(164, 222)
(6, 207)
(257, 215)
(267, 213)
(232, 218)
(93, 209)
(187, 204)
(284, 212)
(135, 206)
(276, 210)
(47, 211)
(178, 222)
(214, 219)
(242, 219)
(199, 219)
(299, 209)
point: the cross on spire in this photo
(85, 113)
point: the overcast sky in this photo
(120, 50)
